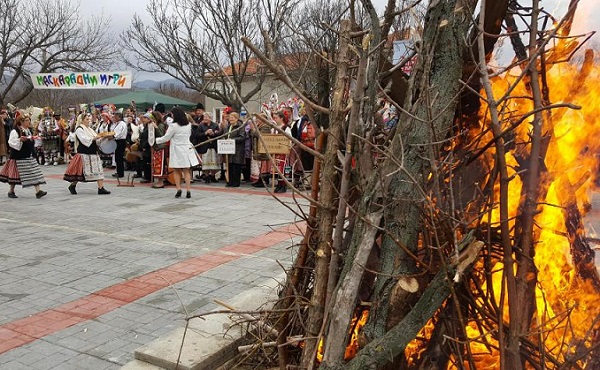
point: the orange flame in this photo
(355, 330)
(571, 159)
(566, 305)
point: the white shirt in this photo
(14, 141)
(120, 130)
(135, 131)
(103, 126)
(84, 136)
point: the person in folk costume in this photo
(105, 122)
(144, 146)
(264, 165)
(71, 122)
(247, 168)
(206, 130)
(102, 127)
(3, 138)
(196, 123)
(251, 135)
(61, 129)
(182, 155)
(119, 127)
(305, 132)
(21, 167)
(159, 154)
(281, 160)
(38, 142)
(7, 121)
(223, 126)
(132, 154)
(236, 131)
(86, 165)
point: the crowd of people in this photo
(161, 147)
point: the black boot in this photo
(258, 184)
(281, 187)
(297, 179)
(262, 181)
(102, 191)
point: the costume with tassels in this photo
(86, 165)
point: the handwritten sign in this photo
(274, 144)
(81, 80)
(226, 146)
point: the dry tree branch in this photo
(508, 272)
(282, 75)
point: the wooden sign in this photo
(226, 146)
(274, 143)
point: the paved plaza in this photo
(86, 279)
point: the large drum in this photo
(171, 176)
(107, 146)
(133, 153)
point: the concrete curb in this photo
(208, 343)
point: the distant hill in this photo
(152, 84)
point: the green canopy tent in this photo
(145, 99)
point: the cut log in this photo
(383, 350)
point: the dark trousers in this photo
(138, 166)
(246, 169)
(235, 174)
(146, 169)
(120, 157)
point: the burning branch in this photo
(393, 343)
(466, 257)
(581, 252)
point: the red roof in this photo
(254, 65)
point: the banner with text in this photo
(82, 80)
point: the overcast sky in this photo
(120, 13)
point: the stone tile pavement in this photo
(86, 279)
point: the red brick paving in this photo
(28, 329)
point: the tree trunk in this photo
(329, 184)
(401, 178)
(437, 75)
(392, 344)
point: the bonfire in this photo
(462, 244)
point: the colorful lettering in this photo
(77, 80)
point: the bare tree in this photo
(46, 36)
(197, 42)
(178, 91)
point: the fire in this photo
(355, 330)
(415, 348)
(566, 306)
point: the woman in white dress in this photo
(182, 154)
